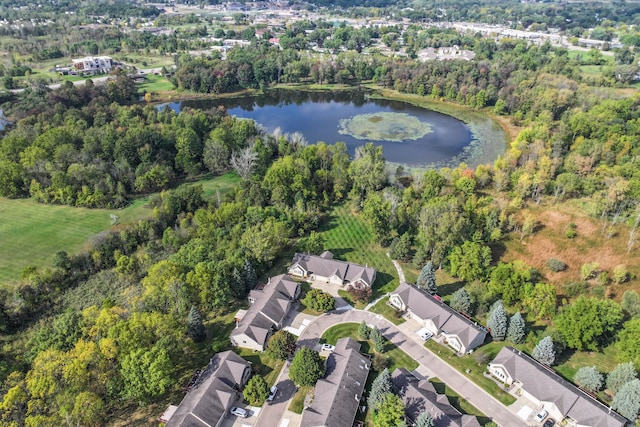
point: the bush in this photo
(380, 362)
(574, 289)
(319, 300)
(571, 232)
(360, 294)
(556, 265)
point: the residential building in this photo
(421, 396)
(93, 64)
(542, 386)
(336, 397)
(325, 268)
(213, 393)
(460, 332)
(270, 304)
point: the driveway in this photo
(273, 412)
(332, 289)
(454, 379)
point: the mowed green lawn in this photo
(31, 233)
(348, 237)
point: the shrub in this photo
(380, 362)
(574, 289)
(360, 294)
(556, 265)
(571, 232)
(319, 300)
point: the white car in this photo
(239, 412)
(328, 347)
(540, 416)
(272, 393)
(424, 334)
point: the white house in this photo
(542, 386)
(325, 268)
(461, 333)
(270, 304)
(93, 64)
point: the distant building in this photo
(565, 402)
(421, 396)
(94, 64)
(459, 332)
(269, 306)
(213, 394)
(325, 268)
(336, 397)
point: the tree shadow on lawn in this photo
(382, 284)
(339, 253)
(450, 288)
(256, 365)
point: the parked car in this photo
(328, 347)
(540, 416)
(272, 393)
(239, 412)
(549, 423)
(424, 334)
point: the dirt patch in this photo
(589, 245)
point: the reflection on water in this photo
(317, 116)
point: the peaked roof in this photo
(334, 403)
(324, 265)
(547, 386)
(420, 396)
(213, 393)
(445, 318)
(270, 307)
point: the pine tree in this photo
(380, 386)
(363, 331)
(427, 279)
(461, 301)
(195, 327)
(627, 400)
(517, 329)
(378, 340)
(425, 420)
(544, 351)
(589, 378)
(497, 322)
(622, 374)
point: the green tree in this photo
(627, 400)
(589, 378)
(427, 278)
(377, 212)
(363, 331)
(425, 420)
(88, 409)
(589, 322)
(544, 352)
(622, 374)
(461, 301)
(470, 261)
(401, 248)
(517, 329)
(629, 342)
(497, 322)
(265, 241)
(195, 327)
(146, 373)
(368, 170)
(508, 280)
(306, 368)
(540, 300)
(381, 386)
(378, 340)
(320, 301)
(631, 303)
(281, 345)
(256, 391)
(390, 412)
(314, 244)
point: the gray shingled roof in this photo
(213, 393)
(547, 386)
(446, 319)
(324, 265)
(334, 402)
(270, 307)
(421, 396)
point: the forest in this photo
(102, 332)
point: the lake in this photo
(409, 135)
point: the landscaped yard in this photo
(297, 402)
(461, 405)
(397, 357)
(382, 307)
(261, 364)
(348, 237)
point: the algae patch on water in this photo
(384, 126)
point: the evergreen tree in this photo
(195, 327)
(425, 420)
(378, 340)
(250, 276)
(427, 278)
(461, 301)
(622, 374)
(589, 378)
(627, 400)
(544, 351)
(380, 386)
(517, 329)
(497, 322)
(363, 331)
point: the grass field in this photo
(31, 233)
(348, 237)
(154, 84)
